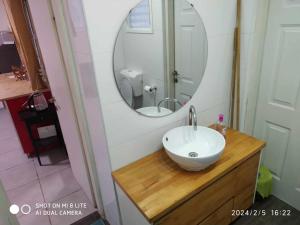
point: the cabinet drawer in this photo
(220, 217)
(247, 173)
(246, 176)
(244, 200)
(200, 206)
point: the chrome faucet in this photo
(193, 117)
(168, 100)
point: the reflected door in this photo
(190, 50)
(278, 109)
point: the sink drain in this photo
(193, 154)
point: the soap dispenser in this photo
(220, 127)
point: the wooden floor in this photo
(268, 205)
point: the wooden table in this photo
(156, 185)
(10, 88)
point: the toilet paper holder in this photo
(150, 89)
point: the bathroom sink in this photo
(153, 111)
(194, 150)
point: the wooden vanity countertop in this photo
(156, 185)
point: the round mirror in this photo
(160, 56)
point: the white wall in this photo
(255, 15)
(124, 126)
(74, 16)
(145, 52)
(131, 136)
(4, 23)
(249, 33)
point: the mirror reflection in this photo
(160, 56)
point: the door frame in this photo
(169, 42)
(57, 7)
(252, 87)
(255, 72)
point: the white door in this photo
(50, 48)
(278, 112)
(190, 50)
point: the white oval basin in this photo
(153, 111)
(194, 150)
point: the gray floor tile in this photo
(18, 175)
(268, 219)
(13, 158)
(77, 197)
(56, 160)
(29, 194)
(34, 220)
(59, 185)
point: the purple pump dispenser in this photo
(221, 118)
(220, 125)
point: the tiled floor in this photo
(271, 203)
(28, 183)
(92, 219)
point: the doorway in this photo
(278, 109)
(28, 183)
(59, 181)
